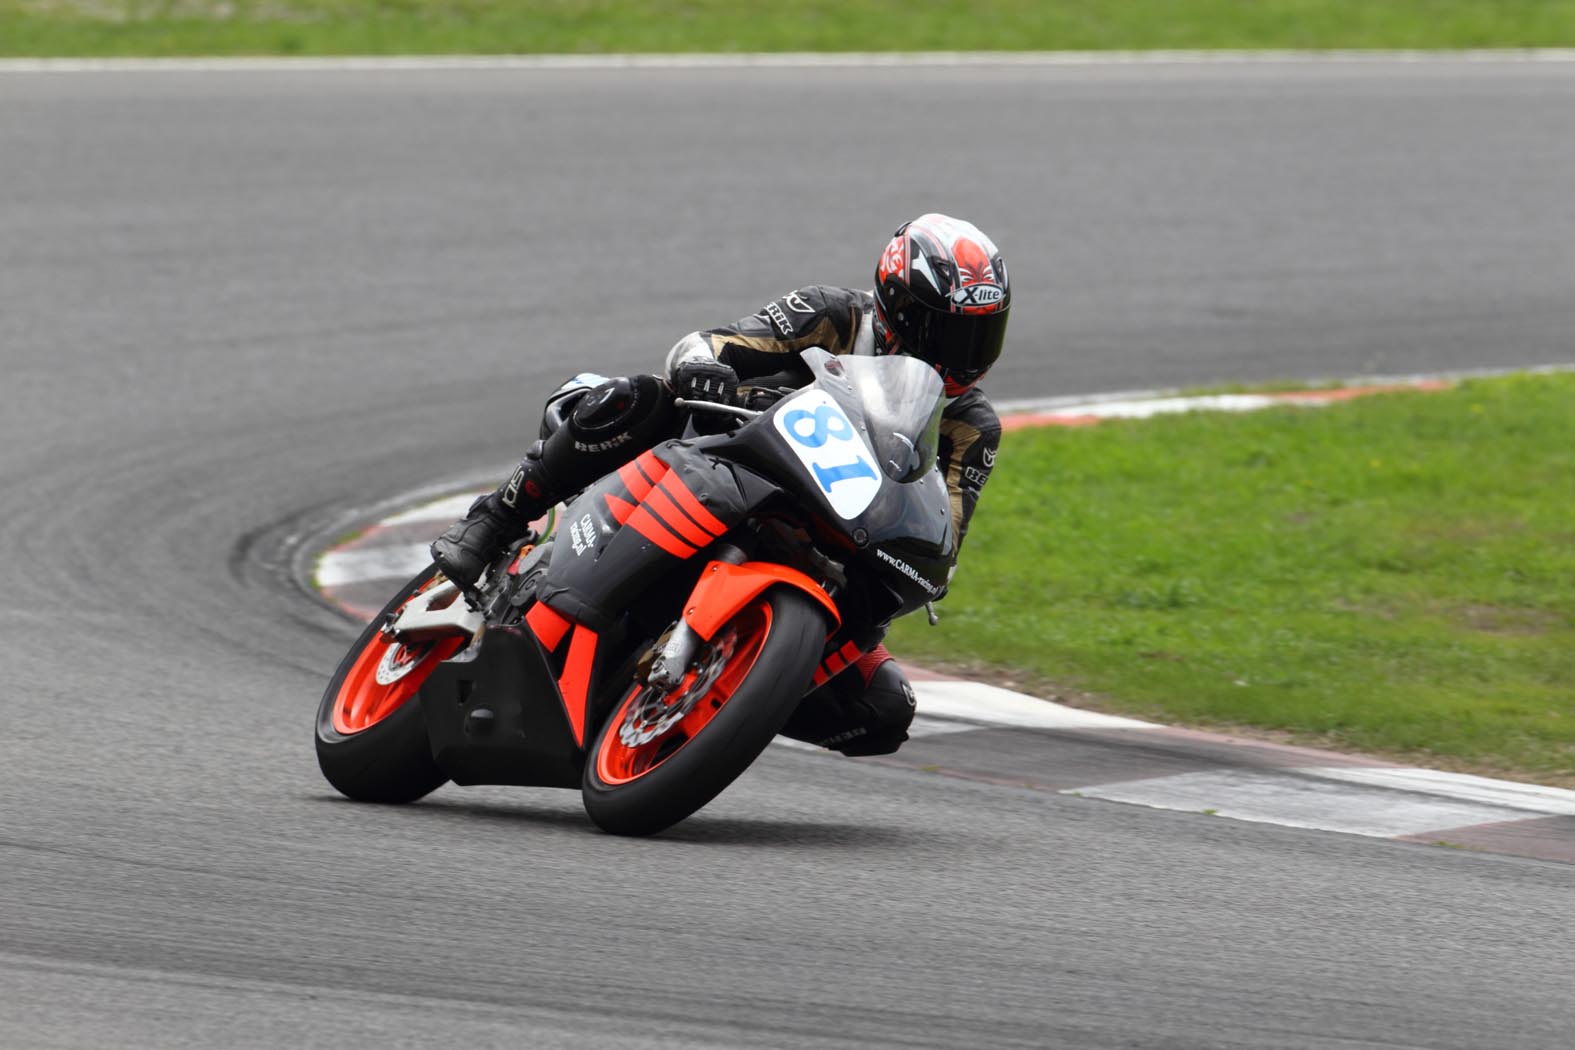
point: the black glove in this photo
(761, 398)
(700, 380)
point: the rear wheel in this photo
(664, 754)
(371, 739)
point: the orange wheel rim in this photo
(384, 678)
(650, 726)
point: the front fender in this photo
(724, 589)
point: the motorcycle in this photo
(650, 649)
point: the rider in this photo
(940, 295)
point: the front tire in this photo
(371, 738)
(661, 756)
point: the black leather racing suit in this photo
(867, 708)
(763, 348)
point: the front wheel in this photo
(371, 738)
(662, 755)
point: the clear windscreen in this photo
(901, 399)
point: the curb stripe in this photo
(1086, 414)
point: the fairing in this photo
(645, 519)
(900, 399)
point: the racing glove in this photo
(701, 380)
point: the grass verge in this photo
(329, 27)
(1393, 575)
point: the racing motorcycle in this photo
(648, 651)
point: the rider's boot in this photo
(494, 520)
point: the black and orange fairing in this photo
(654, 512)
(485, 722)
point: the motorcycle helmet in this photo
(941, 295)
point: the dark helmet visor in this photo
(964, 346)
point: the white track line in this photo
(992, 705)
(1536, 798)
(1326, 799)
(783, 60)
(396, 562)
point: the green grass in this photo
(1393, 575)
(321, 27)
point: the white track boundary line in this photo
(1380, 803)
(787, 60)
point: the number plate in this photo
(835, 456)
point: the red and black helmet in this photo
(941, 296)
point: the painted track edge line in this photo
(789, 60)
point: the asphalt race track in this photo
(233, 304)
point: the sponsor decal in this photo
(583, 535)
(977, 476)
(511, 491)
(779, 319)
(975, 296)
(989, 459)
(603, 446)
(797, 304)
(908, 571)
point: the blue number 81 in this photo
(824, 417)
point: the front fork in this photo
(726, 585)
(678, 652)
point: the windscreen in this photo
(901, 400)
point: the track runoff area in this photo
(1157, 766)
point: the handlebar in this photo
(712, 406)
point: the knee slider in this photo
(890, 699)
(881, 708)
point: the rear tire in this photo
(642, 775)
(371, 737)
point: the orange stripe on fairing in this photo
(653, 467)
(575, 682)
(645, 523)
(685, 499)
(621, 509)
(669, 514)
(548, 625)
(636, 482)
